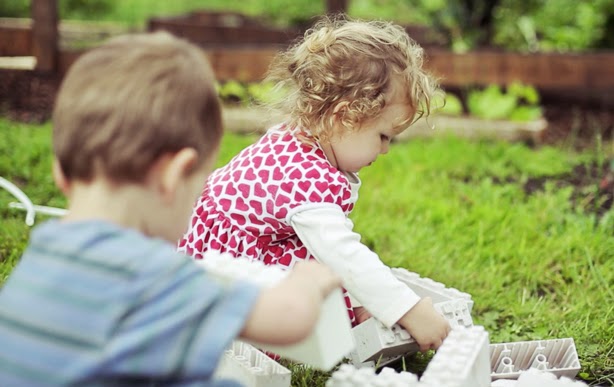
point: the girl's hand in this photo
(361, 314)
(425, 325)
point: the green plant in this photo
(449, 105)
(562, 25)
(15, 8)
(233, 92)
(519, 103)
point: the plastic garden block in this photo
(557, 356)
(426, 287)
(331, 339)
(536, 378)
(375, 342)
(329, 343)
(457, 312)
(350, 376)
(461, 361)
(251, 367)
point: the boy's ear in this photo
(59, 178)
(173, 169)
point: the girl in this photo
(351, 87)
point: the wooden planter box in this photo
(223, 29)
(257, 121)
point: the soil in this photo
(27, 96)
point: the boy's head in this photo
(131, 101)
(340, 75)
(137, 121)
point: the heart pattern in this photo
(244, 204)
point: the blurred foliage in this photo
(518, 102)
(15, 8)
(466, 23)
(529, 25)
(255, 93)
(449, 105)
(562, 25)
(72, 9)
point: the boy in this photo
(101, 297)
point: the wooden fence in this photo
(242, 49)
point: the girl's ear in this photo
(172, 171)
(339, 116)
(340, 108)
(59, 178)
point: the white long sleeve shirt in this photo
(328, 235)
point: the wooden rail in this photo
(240, 48)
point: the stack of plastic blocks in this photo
(537, 378)
(378, 345)
(426, 287)
(349, 376)
(331, 339)
(251, 367)
(557, 356)
(461, 361)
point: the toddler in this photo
(101, 297)
(350, 86)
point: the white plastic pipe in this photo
(52, 211)
(22, 197)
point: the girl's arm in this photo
(327, 234)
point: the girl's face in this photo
(355, 150)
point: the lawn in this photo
(539, 263)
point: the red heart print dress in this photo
(244, 205)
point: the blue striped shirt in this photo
(91, 303)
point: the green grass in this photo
(537, 266)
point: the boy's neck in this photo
(99, 200)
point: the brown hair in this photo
(353, 61)
(130, 101)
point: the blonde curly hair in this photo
(351, 61)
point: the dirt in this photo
(27, 96)
(593, 186)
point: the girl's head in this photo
(344, 73)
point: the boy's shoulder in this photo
(99, 246)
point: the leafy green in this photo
(518, 103)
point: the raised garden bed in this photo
(255, 120)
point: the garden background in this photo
(525, 227)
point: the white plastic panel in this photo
(557, 356)
(251, 367)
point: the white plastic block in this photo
(557, 356)
(251, 367)
(456, 312)
(426, 287)
(329, 343)
(504, 383)
(349, 376)
(378, 363)
(537, 378)
(461, 361)
(376, 343)
(331, 339)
